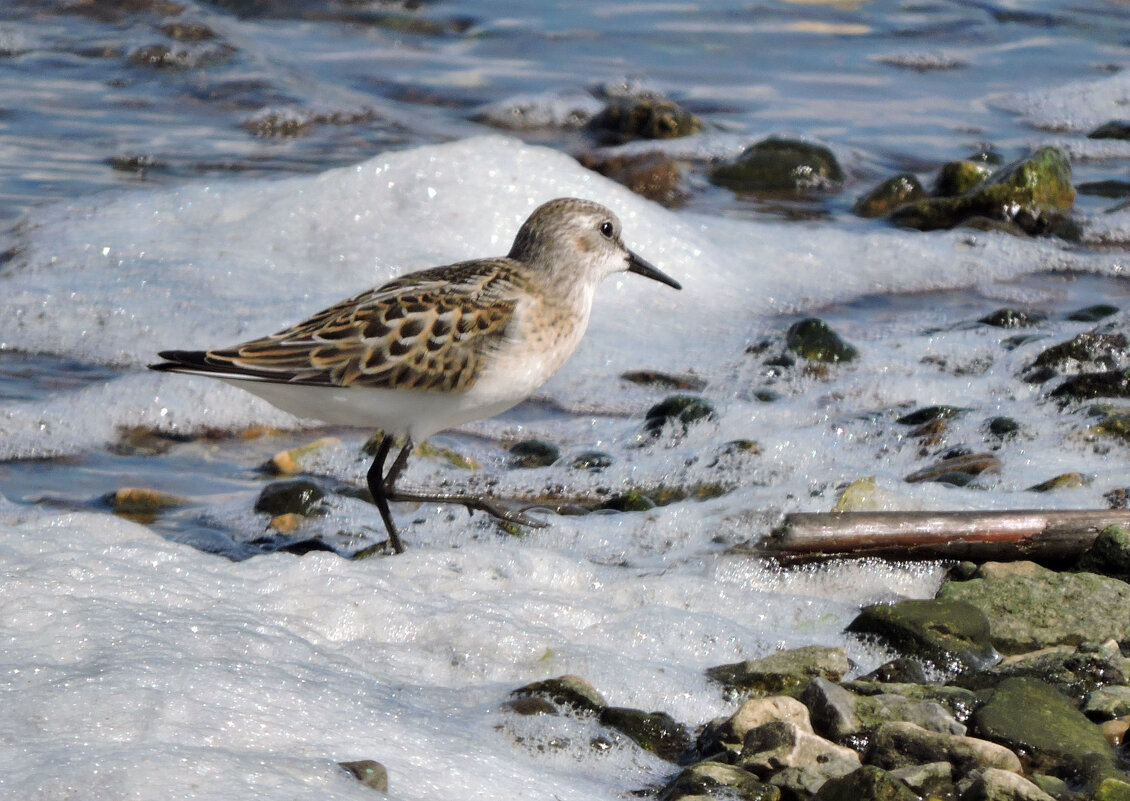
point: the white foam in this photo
(1078, 106)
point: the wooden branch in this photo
(1003, 536)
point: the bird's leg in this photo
(469, 501)
(377, 487)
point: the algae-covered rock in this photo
(1112, 789)
(717, 780)
(783, 671)
(1076, 672)
(1034, 193)
(1087, 386)
(815, 340)
(953, 635)
(1109, 554)
(875, 710)
(867, 783)
(889, 195)
(780, 165)
(994, 784)
(533, 453)
(1038, 608)
(899, 745)
(1088, 350)
(958, 701)
(959, 177)
(1061, 482)
(298, 496)
(567, 690)
(656, 732)
(1033, 717)
(958, 470)
(1116, 425)
(623, 121)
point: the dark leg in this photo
(376, 480)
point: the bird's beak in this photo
(641, 267)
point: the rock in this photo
(652, 175)
(654, 378)
(889, 195)
(780, 165)
(783, 671)
(1074, 672)
(294, 496)
(1115, 730)
(951, 635)
(780, 744)
(900, 669)
(1012, 318)
(867, 783)
(187, 31)
(928, 414)
(1061, 482)
(630, 501)
(1087, 386)
(369, 773)
(1104, 350)
(700, 780)
(533, 453)
(1092, 314)
(1112, 789)
(567, 690)
(623, 121)
(959, 701)
(728, 734)
(1033, 193)
(1107, 703)
(1113, 425)
(683, 410)
(831, 709)
(1115, 129)
(994, 784)
(875, 710)
(593, 461)
(286, 523)
(289, 462)
(900, 745)
(814, 340)
(1039, 608)
(1109, 554)
(957, 470)
(932, 780)
(1002, 427)
(1054, 786)
(142, 503)
(959, 177)
(1032, 716)
(527, 705)
(656, 732)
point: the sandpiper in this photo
(439, 347)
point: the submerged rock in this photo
(567, 690)
(889, 195)
(958, 470)
(294, 496)
(780, 165)
(1115, 129)
(815, 340)
(1092, 314)
(656, 732)
(1109, 554)
(1076, 672)
(1088, 386)
(953, 635)
(1012, 318)
(683, 410)
(533, 453)
(652, 175)
(928, 414)
(1091, 349)
(623, 121)
(1061, 482)
(142, 502)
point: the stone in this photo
(958, 470)
(1109, 554)
(867, 783)
(959, 177)
(1093, 313)
(652, 175)
(656, 732)
(1088, 386)
(681, 410)
(889, 195)
(293, 496)
(780, 744)
(1104, 350)
(958, 701)
(533, 453)
(1032, 716)
(1002, 427)
(1107, 703)
(994, 784)
(934, 779)
(141, 503)
(291, 461)
(1061, 482)
(1115, 129)
(1115, 730)
(900, 669)
(703, 779)
(593, 461)
(831, 709)
(654, 378)
(951, 635)
(649, 118)
(1113, 425)
(780, 165)
(1074, 672)
(1012, 318)
(567, 690)
(875, 710)
(899, 745)
(928, 414)
(1112, 789)
(369, 772)
(783, 671)
(630, 501)
(814, 340)
(1041, 608)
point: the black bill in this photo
(641, 267)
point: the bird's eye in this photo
(606, 229)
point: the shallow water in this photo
(305, 150)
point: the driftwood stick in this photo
(1003, 536)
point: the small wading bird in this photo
(439, 347)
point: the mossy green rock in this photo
(959, 177)
(953, 635)
(783, 671)
(889, 195)
(656, 732)
(1032, 717)
(868, 783)
(1090, 349)
(1088, 386)
(780, 165)
(1112, 789)
(1036, 607)
(1029, 191)
(645, 119)
(717, 779)
(1109, 553)
(815, 340)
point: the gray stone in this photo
(934, 779)
(1038, 608)
(783, 671)
(656, 732)
(959, 701)
(369, 772)
(1074, 671)
(953, 635)
(1107, 703)
(899, 745)
(994, 784)
(567, 690)
(774, 746)
(1109, 553)
(704, 779)
(930, 715)
(728, 734)
(867, 783)
(831, 708)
